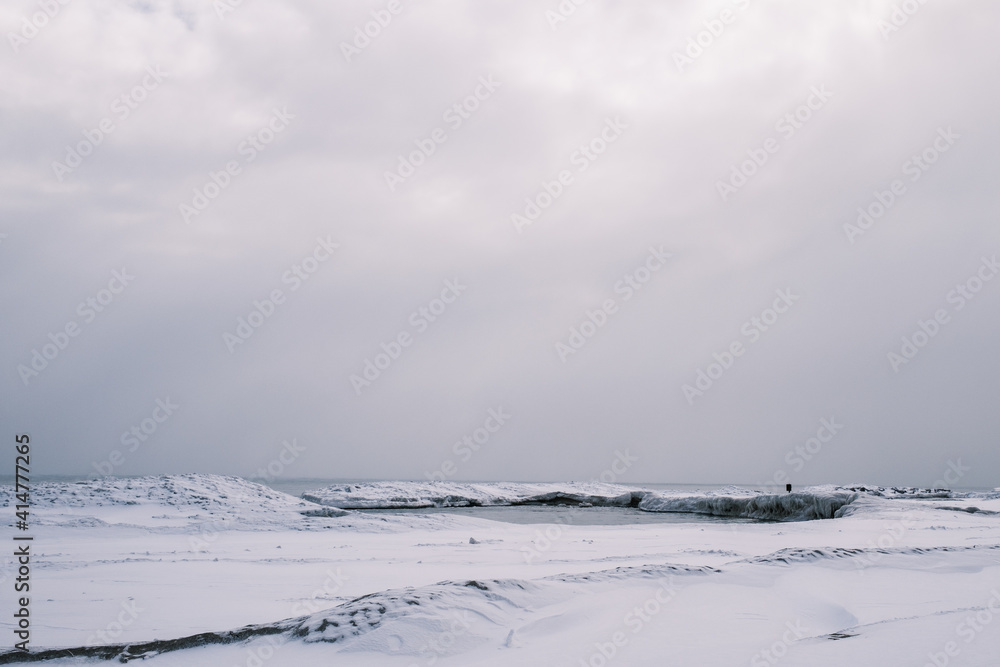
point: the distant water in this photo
(297, 487)
(575, 516)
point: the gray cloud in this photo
(495, 345)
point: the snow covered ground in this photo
(207, 570)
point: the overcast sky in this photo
(694, 165)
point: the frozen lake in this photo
(577, 516)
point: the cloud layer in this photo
(236, 163)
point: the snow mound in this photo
(453, 617)
(429, 622)
(794, 555)
(398, 621)
(164, 500)
(192, 490)
(402, 495)
(786, 507)
(658, 572)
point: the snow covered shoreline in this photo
(221, 571)
(247, 503)
(826, 502)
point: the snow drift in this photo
(453, 617)
(165, 500)
(428, 622)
